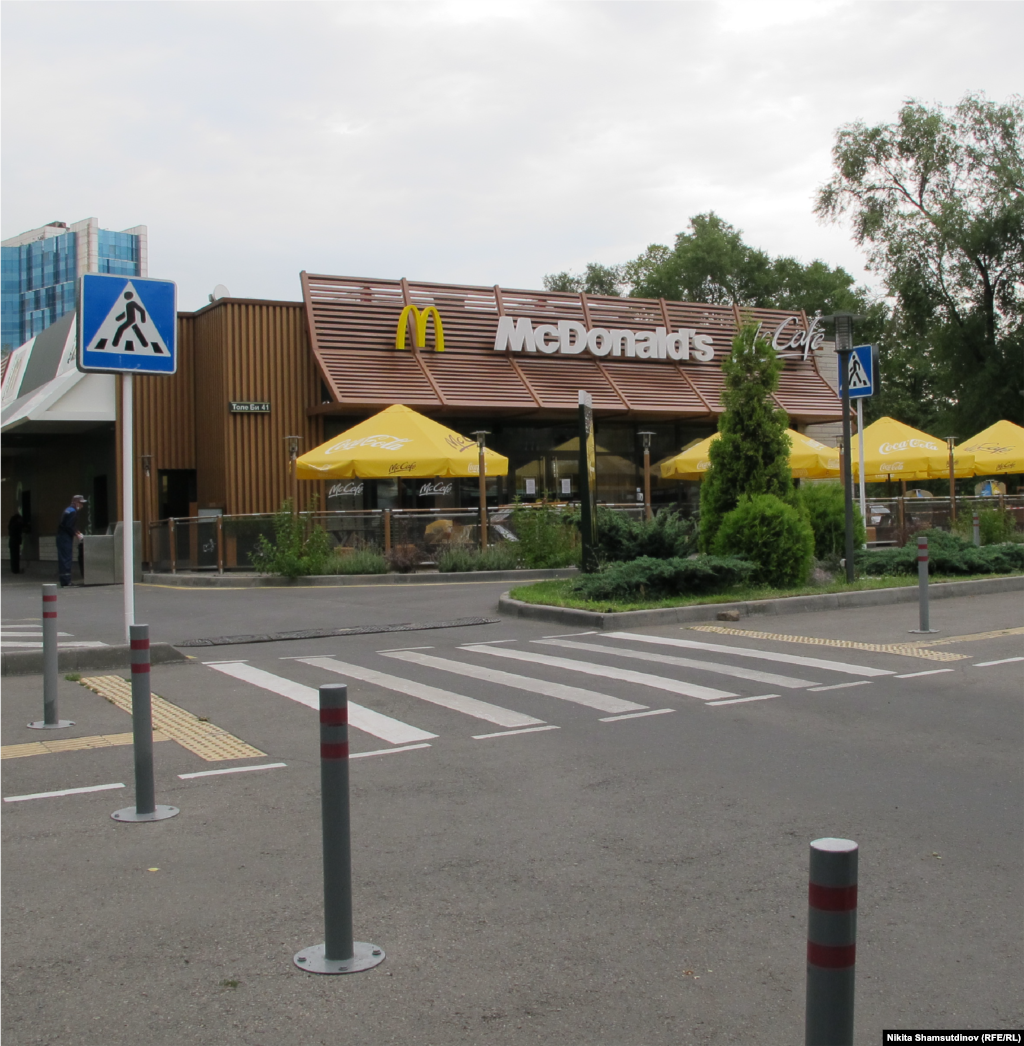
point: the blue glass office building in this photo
(41, 269)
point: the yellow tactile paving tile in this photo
(71, 744)
(203, 738)
(905, 649)
(976, 635)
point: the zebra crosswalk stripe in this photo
(575, 694)
(685, 662)
(456, 702)
(764, 655)
(370, 722)
(673, 686)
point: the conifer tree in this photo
(751, 454)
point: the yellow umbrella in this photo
(808, 459)
(999, 450)
(893, 450)
(395, 443)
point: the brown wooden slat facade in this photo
(234, 349)
(352, 324)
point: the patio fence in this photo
(220, 543)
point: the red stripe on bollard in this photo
(334, 751)
(831, 956)
(334, 716)
(139, 668)
(49, 613)
(49, 599)
(832, 898)
(140, 644)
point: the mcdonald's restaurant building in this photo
(214, 437)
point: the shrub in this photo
(545, 536)
(648, 578)
(296, 550)
(357, 561)
(404, 558)
(772, 535)
(947, 554)
(824, 505)
(453, 560)
(621, 538)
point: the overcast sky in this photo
(482, 143)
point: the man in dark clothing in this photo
(15, 530)
(67, 531)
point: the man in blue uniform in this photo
(67, 531)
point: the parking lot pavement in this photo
(601, 839)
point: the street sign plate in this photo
(127, 324)
(862, 372)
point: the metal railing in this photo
(220, 543)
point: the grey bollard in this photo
(145, 808)
(339, 953)
(977, 529)
(51, 718)
(922, 587)
(831, 943)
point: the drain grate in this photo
(331, 633)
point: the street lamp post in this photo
(147, 468)
(950, 440)
(481, 434)
(293, 453)
(646, 437)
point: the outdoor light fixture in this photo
(950, 440)
(480, 436)
(646, 437)
(147, 464)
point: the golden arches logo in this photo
(421, 327)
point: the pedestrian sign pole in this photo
(859, 376)
(127, 325)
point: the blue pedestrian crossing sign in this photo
(127, 323)
(861, 372)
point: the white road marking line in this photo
(509, 733)
(231, 770)
(486, 642)
(78, 645)
(685, 662)
(63, 791)
(636, 715)
(233, 661)
(764, 655)
(1004, 661)
(932, 672)
(393, 648)
(387, 729)
(763, 697)
(36, 634)
(839, 686)
(569, 635)
(575, 694)
(386, 751)
(445, 698)
(703, 693)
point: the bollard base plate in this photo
(42, 724)
(921, 631)
(312, 960)
(129, 813)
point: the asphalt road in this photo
(590, 880)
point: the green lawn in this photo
(557, 593)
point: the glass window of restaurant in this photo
(543, 463)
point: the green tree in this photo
(751, 454)
(937, 200)
(596, 279)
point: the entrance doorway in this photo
(177, 493)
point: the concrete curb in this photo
(755, 608)
(30, 662)
(333, 580)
